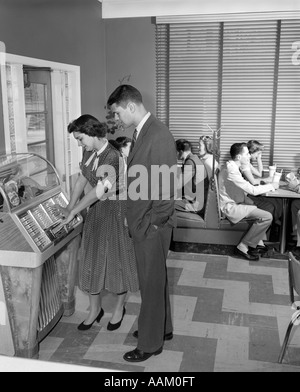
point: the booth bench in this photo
(213, 228)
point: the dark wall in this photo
(130, 53)
(65, 31)
(73, 32)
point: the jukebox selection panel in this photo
(45, 225)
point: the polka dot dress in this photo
(107, 259)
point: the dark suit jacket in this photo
(155, 146)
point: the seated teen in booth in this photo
(207, 154)
(255, 176)
(253, 173)
(293, 182)
(295, 212)
(236, 205)
(191, 195)
(295, 215)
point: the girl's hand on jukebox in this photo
(61, 211)
(69, 216)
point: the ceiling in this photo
(148, 8)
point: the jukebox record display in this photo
(34, 230)
(44, 224)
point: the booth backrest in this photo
(212, 215)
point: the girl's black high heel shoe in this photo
(113, 327)
(85, 327)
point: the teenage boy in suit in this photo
(150, 216)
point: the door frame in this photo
(67, 153)
(43, 76)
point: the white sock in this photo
(242, 247)
(261, 243)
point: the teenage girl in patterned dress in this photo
(107, 260)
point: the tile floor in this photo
(230, 315)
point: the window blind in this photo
(287, 119)
(238, 75)
(247, 84)
(162, 73)
(193, 80)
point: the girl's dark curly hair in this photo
(88, 125)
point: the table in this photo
(285, 194)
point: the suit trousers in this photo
(257, 231)
(155, 313)
(271, 204)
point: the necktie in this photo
(134, 137)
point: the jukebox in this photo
(38, 254)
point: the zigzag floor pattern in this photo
(229, 316)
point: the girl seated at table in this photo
(254, 174)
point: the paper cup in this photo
(272, 170)
(277, 177)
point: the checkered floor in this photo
(229, 316)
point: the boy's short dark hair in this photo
(123, 94)
(183, 145)
(236, 149)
